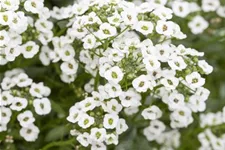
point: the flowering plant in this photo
(101, 70)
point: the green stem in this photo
(96, 81)
(59, 143)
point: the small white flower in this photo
(22, 80)
(6, 98)
(175, 100)
(145, 27)
(195, 80)
(69, 67)
(29, 49)
(42, 106)
(85, 121)
(152, 113)
(177, 63)
(205, 66)
(151, 63)
(121, 126)
(26, 118)
(106, 31)
(198, 25)
(165, 27)
(89, 41)
(181, 8)
(209, 5)
(4, 38)
(130, 98)
(112, 106)
(112, 139)
(110, 121)
(98, 134)
(18, 104)
(170, 82)
(30, 133)
(163, 13)
(142, 83)
(84, 139)
(5, 115)
(114, 74)
(33, 6)
(67, 53)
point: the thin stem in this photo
(59, 143)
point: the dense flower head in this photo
(130, 49)
(23, 26)
(19, 94)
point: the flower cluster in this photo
(195, 12)
(128, 51)
(21, 24)
(20, 94)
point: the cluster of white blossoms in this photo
(156, 131)
(18, 93)
(192, 11)
(128, 51)
(23, 24)
(210, 122)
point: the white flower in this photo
(67, 53)
(106, 31)
(84, 139)
(30, 133)
(205, 66)
(145, 27)
(112, 106)
(113, 90)
(85, 121)
(29, 49)
(165, 27)
(69, 67)
(88, 104)
(221, 11)
(26, 118)
(74, 115)
(89, 41)
(43, 25)
(142, 83)
(177, 63)
(5, 98)
(6, 17)
(163, 13)
(181, 8)
(80, 9)
(110, 121)
(22, 80)
(18, 104)
(198, 25)
(170, 82)
(5, 115)
(39, 90)
(129, 17)
(151, 63)
(42, 106)
(209, 5)
(98, 134)
(115, 19)
(4, 38)
(33, 6)
(114, 74)
(175, 101)
(3, 127)
(152, 113)
(195, 80)
(121, 126)
(112, 139)
(196, 104)
(130, 98)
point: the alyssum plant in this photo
(128, 52)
